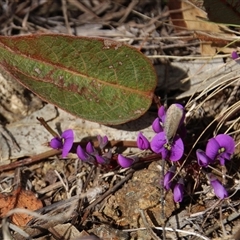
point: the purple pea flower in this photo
(218, 188)
(102, 159)
(103, 141)
(178, 191)
(157, 124)
(203, 159)
(64, 142)
(220, 147)
(174, 151)
(125, 162)
(90, 149)
(161, 123)
(84, 156)
(142, 142)
(235, 55)
(105, 158)
(167, 181)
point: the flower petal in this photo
(218, 188)
(223, 157)
(178, 191)
(125, 162)
(102, 159)
(68, 137)
(227, 142)
(203, 159)
(165, 153)
(89, 148)
(103, 141)
(162, 114)
(82, 154)
(142, 142)
(56, 143)
(167, 181)
(234, 55)
(156, 126)
(212, 148)
(68, 134)
(158, 141)
(177, 149)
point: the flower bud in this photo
(167, 181)
(178, 191)
(125, 162)
(218, 188)
(142, 142)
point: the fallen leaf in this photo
(223, 11)
(100, 80)
(19, 198)
(190, 17)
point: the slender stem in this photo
(162, 196)
(47, 127)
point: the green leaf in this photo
(223, 11)
(96, 79)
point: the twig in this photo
(53, 152)
(172, 230)
(128, 10)
(153, 234)
(64, 10)
(106, 194)
(221, 222)
(81, 7)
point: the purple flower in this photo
(102, 159)
(203, 159)
(64, 142)
(103, 141)
(234, 55)
(221, 147)
(218, 188)
(173, 151)
(142, 142)
(167, 181)
(160, 121)
(157, 124)
(105, 158)
(125, 162)
(161, 114)
(84, 156)
(90, 149)
(178, 191)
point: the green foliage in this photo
(96, 79)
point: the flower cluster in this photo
(168, 142)
(169, 145)
(219, 148)
(90, 154)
